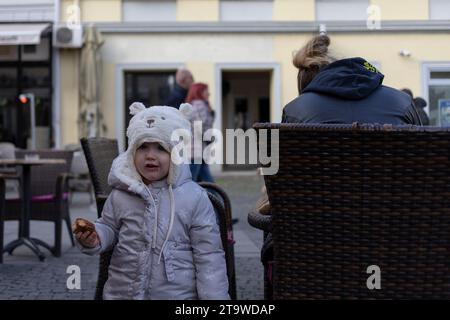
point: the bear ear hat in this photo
(186, 109)
(136, 107)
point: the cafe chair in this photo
(222, 206)
(49, 194)
(100, 153)
(2, 209)
(80, 180)
(358, 211)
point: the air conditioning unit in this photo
(68, 36)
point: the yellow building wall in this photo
(197, 10)
(293, 10)
(93, 10)
(402, 9)
(202, 52)
(69, 75)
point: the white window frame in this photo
(427, 68)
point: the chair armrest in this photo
(62, 185)
(260, 221)
(100, 199)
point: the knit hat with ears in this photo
(156, 124)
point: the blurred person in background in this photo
(183, 81)
(198, 96)
(420, 104)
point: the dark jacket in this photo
(420, 103)
(347, 91)
(176, 97)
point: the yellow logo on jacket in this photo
(370, 67)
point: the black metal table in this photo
(24, 229)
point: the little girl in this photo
(160, 224)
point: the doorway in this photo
(245, 100)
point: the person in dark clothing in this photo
(183, 81)
(344, 91)
(419, 103)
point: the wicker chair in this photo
(49, 191)
(347, 197)
(222, 206)
(2, 209)
(100, 153)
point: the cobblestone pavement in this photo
(23, 276)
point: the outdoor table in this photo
(24, 237)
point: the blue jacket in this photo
(347, 91)
(177, 96)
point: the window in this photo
(27, 69)
(149, 10)
(438, 90)
(152, 88)
(246, 10)
(328, 10)
(439, 9)
(27, 10)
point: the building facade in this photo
(243, 50)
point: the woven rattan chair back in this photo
(348, 199)
(2, 209)
(222, 206)
(100, 153)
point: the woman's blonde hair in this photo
(310, 59)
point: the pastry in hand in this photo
(82, 225)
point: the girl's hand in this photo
(88, 239)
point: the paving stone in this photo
(23, 276)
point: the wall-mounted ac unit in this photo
(68, 36)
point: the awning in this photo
(21, 33)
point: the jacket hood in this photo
(123, 176)
(351, 79)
